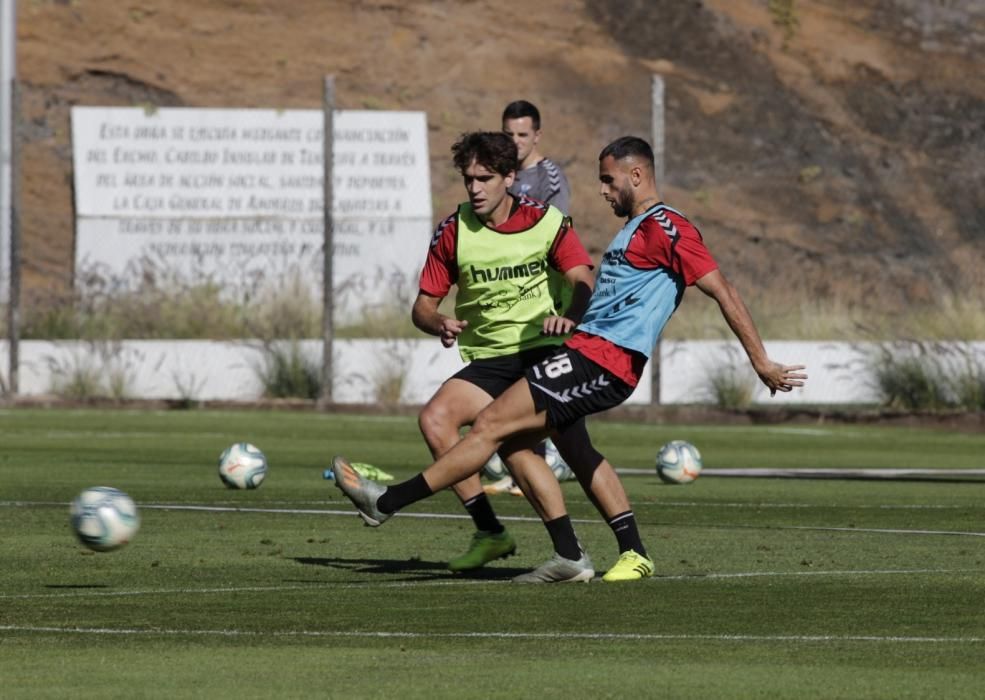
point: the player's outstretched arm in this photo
(582, 281)
(425, 316)
(775, 376)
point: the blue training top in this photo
(631, 305)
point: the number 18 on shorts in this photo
(569, 386)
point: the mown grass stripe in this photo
(724, 637)
(453, 580)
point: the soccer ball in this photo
(242, 466)
(104, 518)
(495, 469)
(554, 460)
(678, 462)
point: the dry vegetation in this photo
(831, 152)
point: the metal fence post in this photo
(8, 61)
(657, 128)
(328, 297)
(9, 174)
(14, 302)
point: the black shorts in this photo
(494, 375)
(569, 387)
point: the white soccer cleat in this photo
(557, 569)
(497, 487)
(363, 492)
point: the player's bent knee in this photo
(488, 427)
(577, 450)
(495, 427)
(582, 460)
(436, 422)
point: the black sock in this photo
(482, 514)
(627, 534)
(563, 536)
(403, 494)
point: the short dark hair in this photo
(626, 146)
(493, 150)
(520, 109)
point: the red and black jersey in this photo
(441, 266)
(665, 242)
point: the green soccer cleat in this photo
(630, 567)
(557, 569)
(371, 471)
(485, 547)
(361, 491)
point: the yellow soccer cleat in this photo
(630, 567)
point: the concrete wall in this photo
(837, 372)
(204, 370)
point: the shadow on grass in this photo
(426, 570)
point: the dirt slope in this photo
(838, 153)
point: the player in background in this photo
(542, 179)
(644, 272)
(510, 257)
(538, 177)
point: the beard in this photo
(623, 206)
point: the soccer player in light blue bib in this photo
(653, 258)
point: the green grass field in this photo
(771, 588)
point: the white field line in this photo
(881, 530)
(508, 518)
(522, 518)
(697, 577)
(843, 473)
(575, 501)
(108, 435)
(281, 511)
(604, 636)
(840, 432)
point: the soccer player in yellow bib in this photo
(523, 280)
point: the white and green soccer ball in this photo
(242, 466)
(104, 518)
(678, 462)
(557, 464)
(495, 469)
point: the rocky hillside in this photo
(829, 149)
